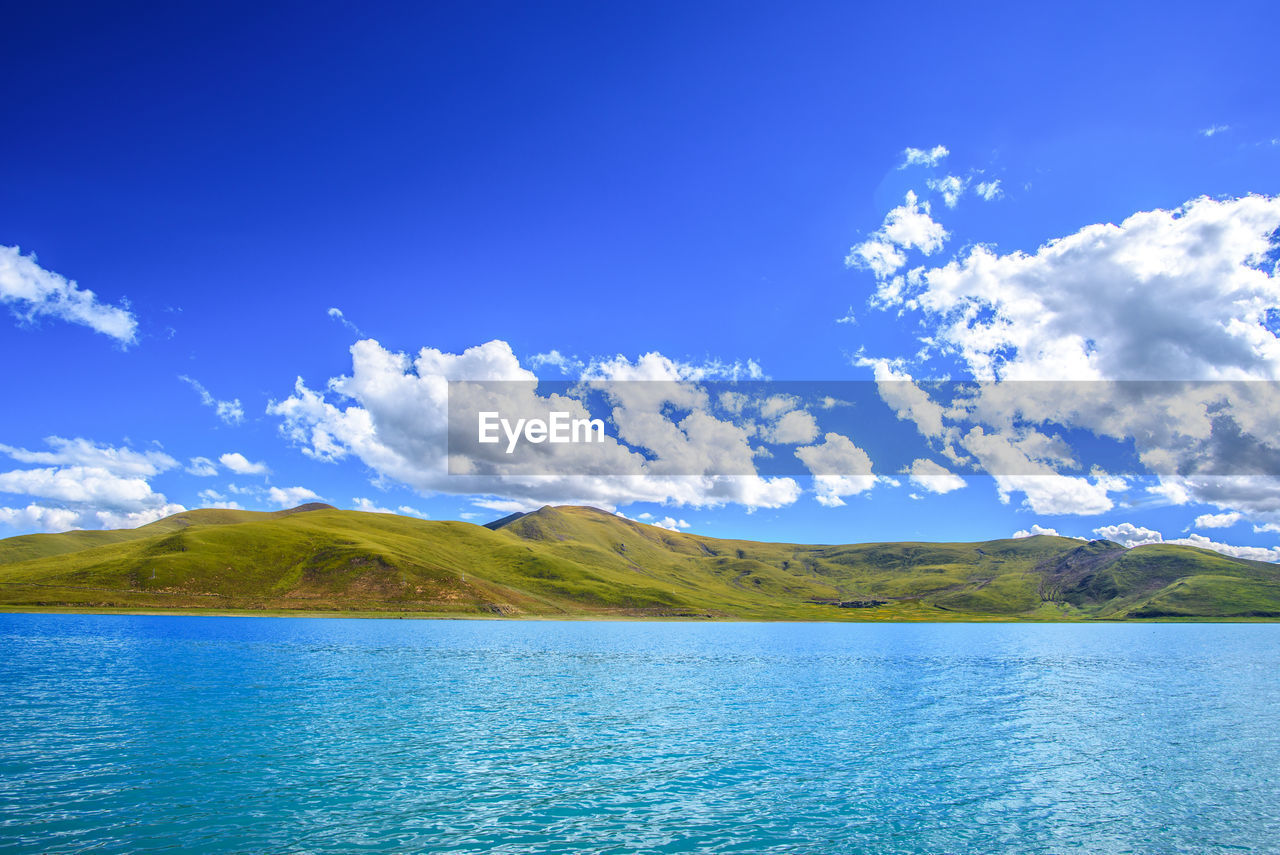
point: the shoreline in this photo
(603, 618)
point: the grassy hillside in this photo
(572, 561)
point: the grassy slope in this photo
(584, 562)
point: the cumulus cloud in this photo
(43, 518)
(34, 292)
(289, 497)
(839, 467)
(90, 485)
(906, 227)
(1251, 553)
(1181, 294)
(241, 465)
(1130, 535)
(933, 477)
(1021, 467)
(1036, 529)
(391, 413)
(792, 428)
(1218, 520)
(669, 523)
(85, 485)
(908, 401)
(54, 519)
(230, 412)
(950, 187)
(368, 506)
(1169, 316)
(923, 156)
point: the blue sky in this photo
(603, 182)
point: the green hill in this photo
(583, 562)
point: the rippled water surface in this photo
(133, 734)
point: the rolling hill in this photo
(583, 562)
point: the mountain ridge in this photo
(577, 561)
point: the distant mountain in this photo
(584, 562)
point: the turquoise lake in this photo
(136, 734)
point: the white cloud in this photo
(951, 188)
(1179, 294)
(1017, 467)
(923, 157)
(338, 316)
(83, 452)
(1251, 553)
(392, 414)
(557, 360)
(791, 428)
(1258, 497)
(933, 477)
(670, 524)
(370, 507)
(1213, 130)
(36, 517)
(82, 485)
(1131, 535)
(367, 506)
(214, 499)
(241, 465)
(35, 292)
(876, 254)
(989, 190)
(908, 401)
(202, 467)
(507, 506)
(1218, 520)
(87, 485)
(229, 411)
(908, 226)
(776, 405)
(839, 467)
(848, 317)
(1183, 295)
(290, 497)
(1128, 534)
(1035, 529)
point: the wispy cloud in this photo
(923, 156)
(338, 316)
(35, 292)
(229, 411)
(989, 189)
